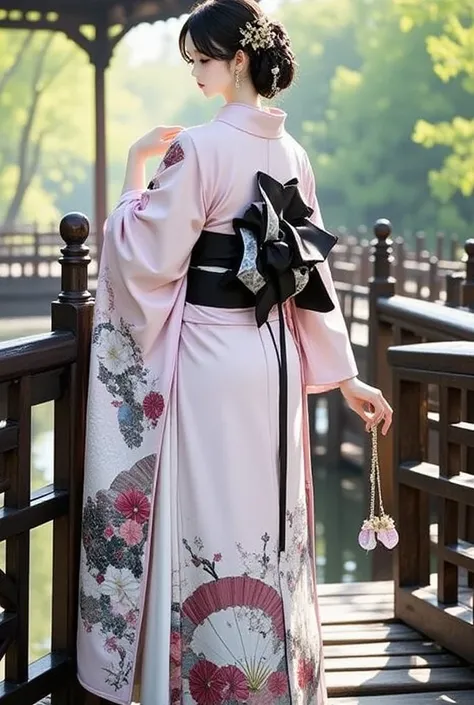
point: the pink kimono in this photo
(184, 590)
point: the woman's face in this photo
(213, 77)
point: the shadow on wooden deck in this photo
(372, 659)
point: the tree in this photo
(451, 48)
(39, 115)
(371, 166)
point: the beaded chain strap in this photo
(381, 526)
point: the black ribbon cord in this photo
(281, 248)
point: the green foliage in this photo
(451, 48)
(39, 111)
(382, 103)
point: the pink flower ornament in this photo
(378, 528)
(367, 539)
(387, 533)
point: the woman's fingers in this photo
(381, 412)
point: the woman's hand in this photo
(156, 142)
(368, 402)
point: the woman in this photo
(215, 315)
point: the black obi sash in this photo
(271, 257)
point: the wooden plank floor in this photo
(371, 659)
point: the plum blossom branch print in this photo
(207, 565)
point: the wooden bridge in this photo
(404, 641)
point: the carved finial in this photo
(382, 249)
(74, 230)
(469, 248)
(382, 229)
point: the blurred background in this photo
(383, 104)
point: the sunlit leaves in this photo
(452, 52)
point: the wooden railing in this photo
(435, 501)
(399, 320)
(345, 440)
(52, 367)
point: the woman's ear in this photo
(240, 60)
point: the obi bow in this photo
(281, 248)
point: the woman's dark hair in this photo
(215, 27)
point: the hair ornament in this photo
(275, 72)
(258, 34)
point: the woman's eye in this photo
(204, 61)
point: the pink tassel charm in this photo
(377, 528)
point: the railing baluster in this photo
(449, 466)
(17, 496)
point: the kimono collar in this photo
(268, 123)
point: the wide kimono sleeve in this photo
(150, 234)
(138, 315)
(324, 342)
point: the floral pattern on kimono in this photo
(115, 530)
(116, 521)
(254, 668)
(174, 155)
(121, 370)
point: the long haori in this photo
(215, 315)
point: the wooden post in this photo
(453, 250)
(454, 282)
(411, 433)
(433, 279)
(73, 312)
(382, 285)
(400, 265)
(468, 284)
(420, 239)
(467, 299)
(449, 466)
(440, 246)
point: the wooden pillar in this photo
(382, 285)
(100, 57)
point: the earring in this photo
(237, 79)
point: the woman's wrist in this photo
(136, 154)
(346, 383)
(135, 170)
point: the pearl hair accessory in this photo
(258, 34)
(275, 72)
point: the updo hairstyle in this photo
(215, 28)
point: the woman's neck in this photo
(246, 95)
